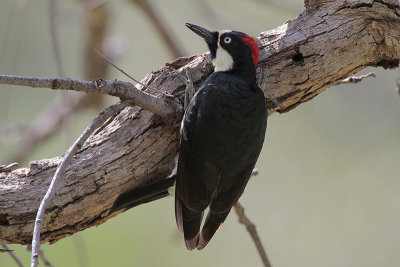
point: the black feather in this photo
(137, 196)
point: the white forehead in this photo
(221, 33)
(224, 31)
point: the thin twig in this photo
(357, 79)
(129, 76)
(46, 262)
(12, 254)
(96, 123)
(124, 90)
(251, 228)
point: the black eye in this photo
(227, 40)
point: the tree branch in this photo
(59, 174)
(120, 89)
(251, 228)
(357, 79)
(304, 56)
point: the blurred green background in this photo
(328, 189)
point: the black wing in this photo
(197, 174)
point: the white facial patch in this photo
(223, 61)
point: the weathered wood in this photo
(304, 57)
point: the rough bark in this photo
(304, 56)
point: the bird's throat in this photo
(223, 61)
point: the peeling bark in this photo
(304, 56)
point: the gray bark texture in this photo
(328, 42)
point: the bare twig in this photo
(357, 79)
(54, 39)
(41, 255)
(96, 123)
(12, 254)
(251, 228)
(129, 76)
(120, 89)
(5, 249)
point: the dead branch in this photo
(44, 259)
(251, 228)
(357, 79)
(111, 87)
(304, 57)
(59, 174)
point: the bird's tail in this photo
(211, 225)
(188, 222)
(137, 196)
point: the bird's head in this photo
(231, 51)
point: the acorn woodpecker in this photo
(222, 133)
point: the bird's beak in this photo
(206, 34)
